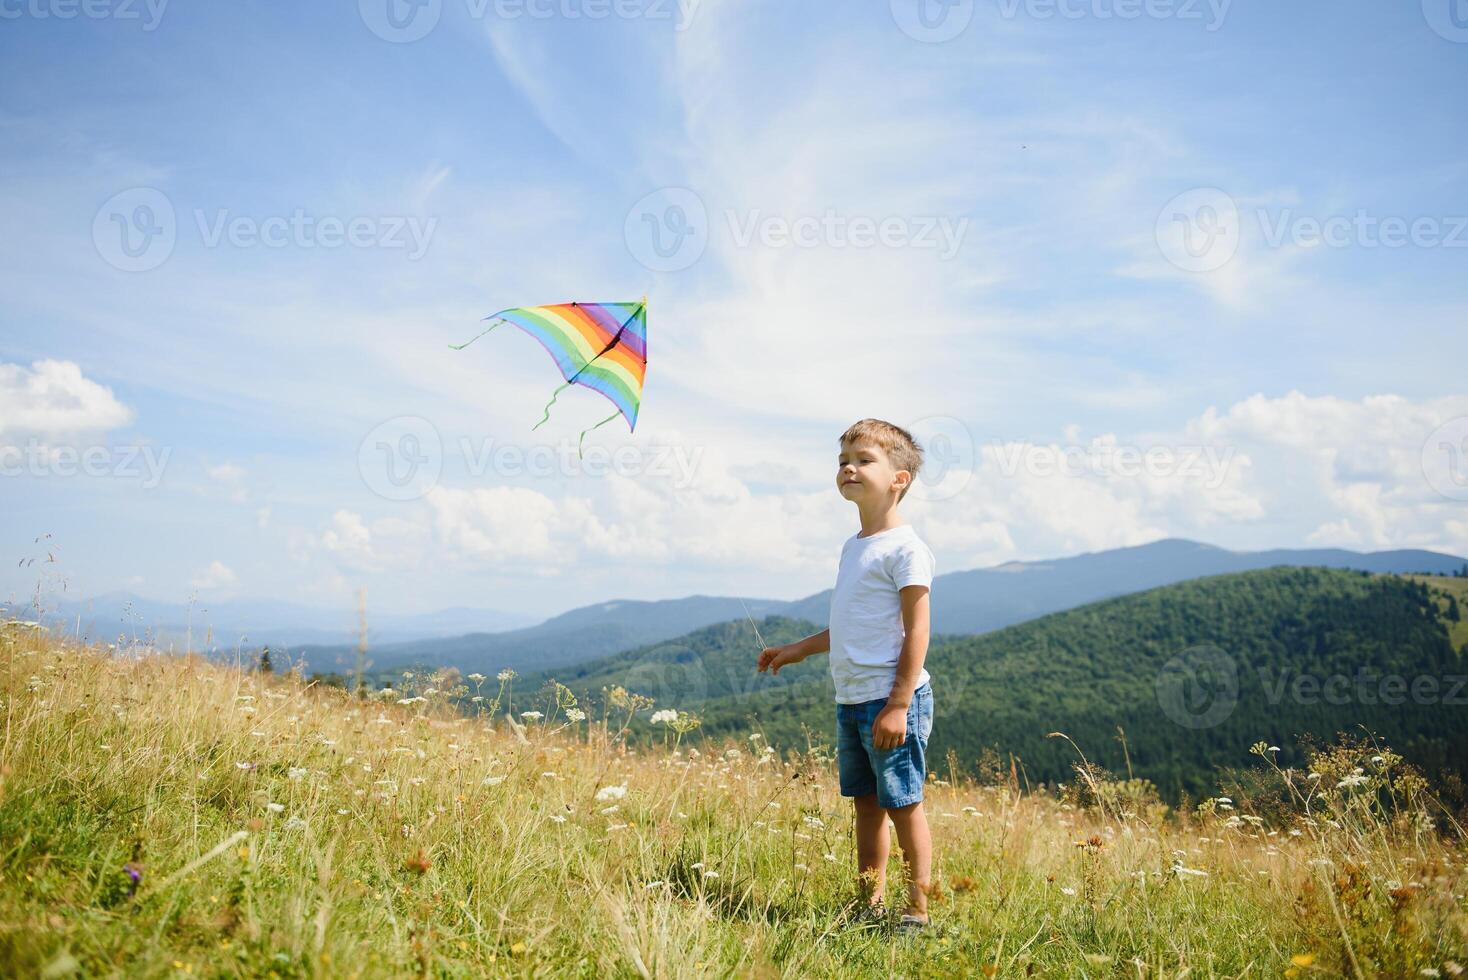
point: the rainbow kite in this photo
(601, 346)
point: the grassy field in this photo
(170, 817)
(1457, 588)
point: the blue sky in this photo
(1101, 237)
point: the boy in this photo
(878, 639)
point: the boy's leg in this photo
(917, 854)
(872, 846)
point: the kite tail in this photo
(475, 337)
(597, 426)
(546, 417)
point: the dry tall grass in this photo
(165, 816)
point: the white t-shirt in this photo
(866, 610)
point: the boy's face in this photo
(864, 473)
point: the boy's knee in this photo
(903, 812)
(868, 803)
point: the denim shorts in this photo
(895, 775)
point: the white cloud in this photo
(226, 473)
(357, 546)
(216, 576)
(1322, 470)
(53, 399)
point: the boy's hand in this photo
(890, 729)
(773, 658)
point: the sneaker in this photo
(909, 924)
(868, 914)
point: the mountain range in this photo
(965, 602)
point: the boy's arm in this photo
(916, 623)
(792, 653)
(813, 644)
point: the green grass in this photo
(1445, 586)
(288, 830)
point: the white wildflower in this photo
(611, 793)
(531, 715)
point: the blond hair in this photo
(899, 445)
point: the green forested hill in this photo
(1194, 673)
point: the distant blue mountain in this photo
(253, 623)
(967, 602)
(991, 598)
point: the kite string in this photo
(471, 340)
(757, 636)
